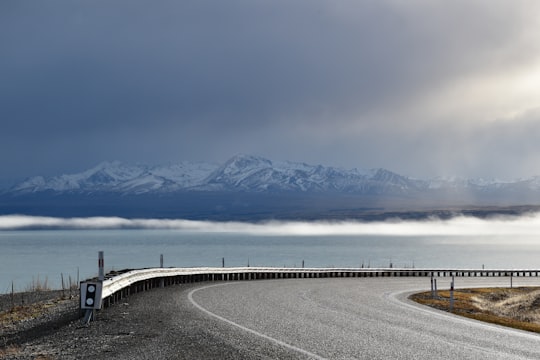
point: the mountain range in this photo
(250, 187)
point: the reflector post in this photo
(91, 295)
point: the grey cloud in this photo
(169, 80)
(506, 149)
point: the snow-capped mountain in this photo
(240, 173)
(253, 188)
(254, 174)
(121, 178)
(249, 173)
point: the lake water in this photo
(29, 256)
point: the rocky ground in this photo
(30, 315)
(159, 324)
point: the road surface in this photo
(359, 318)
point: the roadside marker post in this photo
(452, 295)
(90, 299)
(91, 295)
(90, 292)
(162, 280)
(511, 278)
(101, 266)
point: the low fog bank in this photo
(523, 225)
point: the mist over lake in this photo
(40, 249)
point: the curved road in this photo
(360, 318)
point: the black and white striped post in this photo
(161, 281)
(101, 266)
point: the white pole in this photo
(452, 295)
(101, 266)
(162, 280)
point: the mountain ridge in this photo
(250, 188)
(252, 174)
(242, 172)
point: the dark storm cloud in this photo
(320, 81)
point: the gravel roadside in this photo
(159, 324)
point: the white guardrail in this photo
(117, 285)
(123, 280)
(118, 282)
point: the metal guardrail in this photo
(118, 285)
(119, 282)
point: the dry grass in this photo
(38, 285)
(521, 306)
(517, 307)
(25, 312)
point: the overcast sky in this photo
(424, 88)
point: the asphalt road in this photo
(358, 318)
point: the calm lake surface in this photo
(31, 256)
